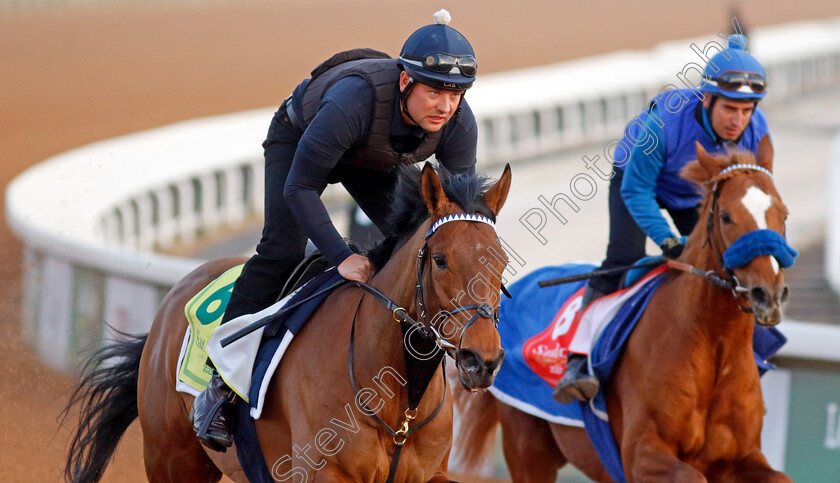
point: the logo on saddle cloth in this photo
(204, 313)
(547, 352)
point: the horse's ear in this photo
(497, 194)
(711, 164)
(705, 168)
(432, 189)
(764, 153)
(703, 157)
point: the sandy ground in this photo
(76, 75)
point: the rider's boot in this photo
(577, 384)
(211, 414)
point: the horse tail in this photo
(107, 394)
(477, 421)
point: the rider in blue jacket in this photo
(659, 143)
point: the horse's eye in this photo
(725, 218)
(440, 260)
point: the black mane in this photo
(409, 210)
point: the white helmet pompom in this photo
(442, 17)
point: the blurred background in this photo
(77, 71)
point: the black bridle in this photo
(421, 369)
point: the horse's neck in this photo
(709, 309)
(397, 279)
(383, 346)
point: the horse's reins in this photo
(430, 336)
(727, 282)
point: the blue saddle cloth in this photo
(248, 448)
(522, 317)
(529, 312)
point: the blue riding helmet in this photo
(439, 56)
(735, 74)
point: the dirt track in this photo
(75, 76)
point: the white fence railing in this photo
(832, 223)
(92, 218)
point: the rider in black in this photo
(360, 115)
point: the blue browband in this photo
(459, 217)
(758, 243)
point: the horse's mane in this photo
(409, 209)
(697, 174)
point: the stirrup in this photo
(216, 444)
(583, 390)
(223, 395)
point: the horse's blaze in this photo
(757, 202)
(766, 301)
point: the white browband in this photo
(459, 217)
(753, 167)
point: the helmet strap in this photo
(404, 99)
(458, 111)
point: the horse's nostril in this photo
(468, 360)
(493, 366)
(758, 295)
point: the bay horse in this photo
(310, 429)
(684, 401)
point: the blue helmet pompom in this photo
(737, 41)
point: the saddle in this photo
(314, 263)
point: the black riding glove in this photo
(672, 248)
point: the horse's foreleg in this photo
(529, 448)
(576, 447)
(330, 473)
(648, 458)
(441, 477)
(753, 468)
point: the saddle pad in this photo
(537, 337)
(204, 313)
(247, 364)
(526, 327)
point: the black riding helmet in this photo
(439, 56)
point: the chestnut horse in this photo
(684, 401)
(323, 419)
